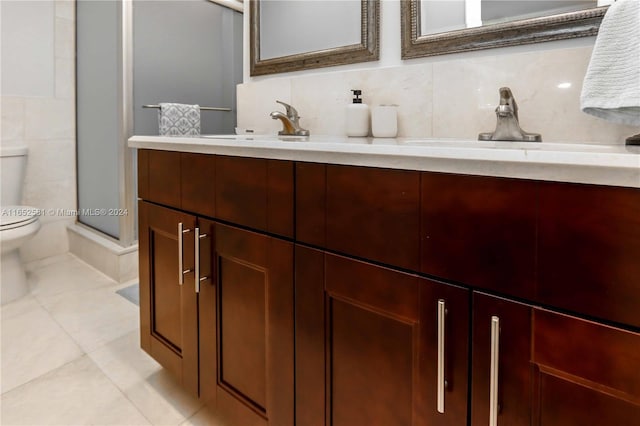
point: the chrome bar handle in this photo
(181, 270)
(493, 381)
(441, 383)
(198, 280)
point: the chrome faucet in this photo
(508, 126)
(290, 121)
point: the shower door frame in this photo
(125, 156)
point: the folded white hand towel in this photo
(611, 88)
(179, 119)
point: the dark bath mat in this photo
(131, 293)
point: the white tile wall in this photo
(45, 122)
(444, 97)
(27, 47)
(65, 9)
(51, 240)
(65, 78)
(12, 120)
(258, 100)
(51, 160)
(65, 28)
(49, 118)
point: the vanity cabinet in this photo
(216, 304)
(368, 348)
(345, 295)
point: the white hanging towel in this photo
(611, 88)
(179, 119)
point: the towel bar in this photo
(202, 108)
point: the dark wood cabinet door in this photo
(589, 250)
(367, 345)
(168, 310)
(511, 376)
(480, 231)
(365, 212)
(254, 328)
(585, 373)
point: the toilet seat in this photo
(17, 216)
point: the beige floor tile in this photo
(124, 362)
(150, 387)
(41, 263)
(204, 417)
(93, 317)
(49, 380)
(75, 394)
(32, 343)
(19, 307)
(68, 274)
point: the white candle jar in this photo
(384, 121)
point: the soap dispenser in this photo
(357, 116)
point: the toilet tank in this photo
(13, 162)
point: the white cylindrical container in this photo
(384, 121)
(357, 116)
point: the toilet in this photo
(17, 223)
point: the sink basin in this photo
(232, 137)
(450, 143)
(251, 137)
(537, 146)
(441, 145)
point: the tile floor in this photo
(70, 356)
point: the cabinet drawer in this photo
(589, 247)
(587, 373)
(198, 183)
(362, 211)
(255, 192)
(177, 179)
(159, 177)
(480, 231)
(252, 192)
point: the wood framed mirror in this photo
(466, 25)
(288, 35)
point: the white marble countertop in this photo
(570, 162)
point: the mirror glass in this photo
(437, 16)
(291, 35)
(438, 27)
(292, 27)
